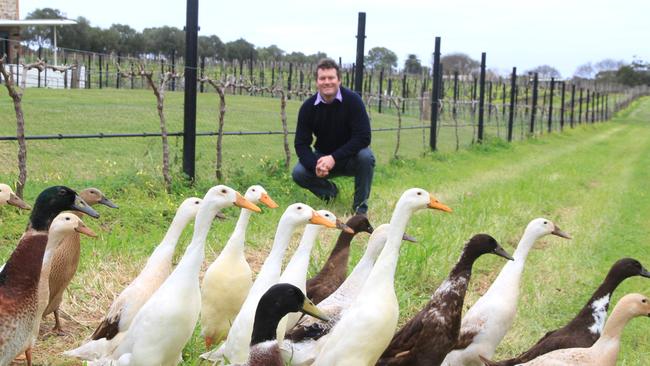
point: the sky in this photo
(522, 34)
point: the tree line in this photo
(165, 40)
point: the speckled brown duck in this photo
(585, 329)
(8, 197)
(335, 269)
(20, 276)
(66, 259)
(433, 332)
(278, 301)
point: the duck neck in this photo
(338, 259)
(609, 342)
(296, 271)
(273, 262)
(596, 308)
(22, 271)
(194, 254)
(508, 280)
(41, 218)
(170, 240)
(384, 269)
(264, 327)
(235, 244)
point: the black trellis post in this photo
(513, 100)
(573, 99)
(562, 106)
(533, 108)
(289, 81)
(354, 72)
(88, 73)
(361, 38)
(404, 93)
(550, 106)
(580, 107)
(189, 115)
(594, 96)
(174, 67)
(481, 102)
(381, 87)
(433, 133)
(202, 73)
(117, 79)
(587, 107)
(100, 71)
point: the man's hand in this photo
(324, 165)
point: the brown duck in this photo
(585, 329)
(432, 333)
(335, 270)
(66, 259)
(20, 276)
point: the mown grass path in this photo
(592, 181)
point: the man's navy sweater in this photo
(342, 129)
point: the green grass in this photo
(591, 181)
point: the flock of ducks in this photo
(262, 321)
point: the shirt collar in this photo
(338, 96)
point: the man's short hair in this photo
(328, 63)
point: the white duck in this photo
(165, 323)
(236, 347)
(229, 278)
(605, 351)
(301, 345)
(366, 328)
(489, 319)
(295, 273)
(7, 196)
(113, 327)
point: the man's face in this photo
(328, 83)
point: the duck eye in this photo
(67, 219)
(644, 301)
(223, 191)
(299, 207)
(545, 222)
(419, 193)
(253, 190)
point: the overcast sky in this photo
(525, 34)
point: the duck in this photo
(605, 351)
(51, 202)
(295, 273)
(167, 320)
(278, 301)
(586, 327)
(8, 197)
(366, 328)
(235, 348)
(302, 341)
(427, 337)
(126, 305)
(66, 260)
(335, 269)
(229, 278)
(23, 293)
(489, 319)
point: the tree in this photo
(41, 36)
(381, 57)
(546, 72)
(270, 53)
(240, 50)
(211, 46)
(460, 62)
(164, 40)
(412, 64)
(129, 41)
(584, 71)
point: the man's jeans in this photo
(361, 167)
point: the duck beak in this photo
(560, 233)
(244, 203)
(369, 229)
(16, 201)
(105, 201)
(644, 273)
(408, 237)
(437, 205)
(81, 205)
(502, 253)
(83, 229)
(267, 201)
(317, 219)
(341, 226)
(308, 307)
